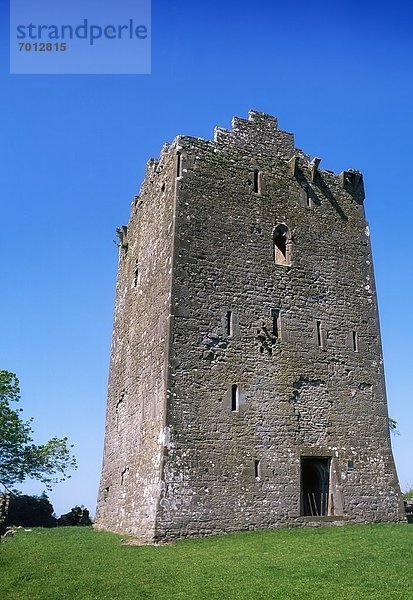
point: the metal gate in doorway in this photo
(315, 479)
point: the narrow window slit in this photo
(257, 469)
(178, 165)
(257, 181)
(355, 341)
(319, 334)
(229, 323)
(275, 313)
(234, 398)
(135, 274)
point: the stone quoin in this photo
(246, 386)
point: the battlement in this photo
(256, 117)
(259, 137)
(259, 131)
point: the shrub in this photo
(30, 511)
(408, 495)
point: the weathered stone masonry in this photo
(246, 383)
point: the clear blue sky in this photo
(337, 74)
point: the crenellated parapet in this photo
(260, 131)
(259, 136)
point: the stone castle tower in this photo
(246, 383)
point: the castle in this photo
(246, 384)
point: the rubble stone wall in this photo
(133, 451)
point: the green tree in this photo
(20, 457)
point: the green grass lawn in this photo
(363, 561)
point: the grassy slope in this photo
(366, 561)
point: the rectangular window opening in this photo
(257, 469)
(350, 466)
(355, 342)
(234, 398)
(178, 165)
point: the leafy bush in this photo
(408, 495)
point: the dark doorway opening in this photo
(315, 477)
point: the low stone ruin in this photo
(4, 509)
(79, 515)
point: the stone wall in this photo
(266, 363)
(129, 488)
(4, 512)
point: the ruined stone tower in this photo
(246, 382)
